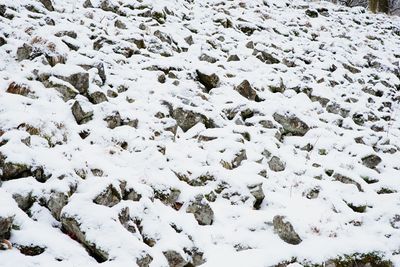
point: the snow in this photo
(239, 234)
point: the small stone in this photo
(3, 41)
(233, 58)
(246, 90)
(109, 197)
(175, 259)
(24, 52)
(258, 194)
(276, 164)
(19, 89)
(31, 250)
(98, 97)
(144, 261)
(120, 24)
(113, 120)
(56, 203)
(285, 230)
(265, 57)
(47, 4)
(186, 119)
(291, 124)
(207, 58)
(209, 81)
(371, 161)
(347, 180)
(312, 13)
(5, 227)
(79, 80)
(350, 68)
(201, 210)
(80, 115)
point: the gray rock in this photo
(246, 90)
(3, 41)
(201, 210)
(265, 57)
(167, 197)
(276, 164)
(347, 180)
(100, 70)
(24, 52)
(350, 68)
(285, 230)
(239, 157)
(80, 115)
(258, 194)
(233, 58)
(5, 227)
(126, 220)
(73, 227)
(207, 58)
(186, 119)
(175, 259)
(98, 97)
(13, 170)
(144, 261)
(109, 197)
(312, 13)
(292, 125)
(47, 4)
(209, 81)
(371, 161)
(79, 80)
(55, 59)
(56, 203)
(24, 201)
(113, 120)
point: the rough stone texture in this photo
(201, 210)
(98, 97)
(11, 170)
(276, 164)
(175, 259)
(258, 194)
(24, 201)
(371, 161)
(209, 81)
(5, 227)
(80, 115)
(24, 52)
(347, 180)
(109, 197)
(291, 124)
(186, 119)
(56, 203)
(80, 81)
(285, 230)
(72, 226)
(47, 4)
(19, 89)
(245, 89)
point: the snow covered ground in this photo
(187, 132)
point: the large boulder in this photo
(285, 230)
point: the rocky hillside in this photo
(189, 132)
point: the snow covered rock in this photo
(201, 210)
(5, 227)
(291, 124)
